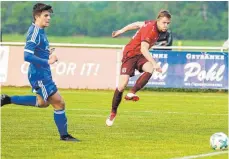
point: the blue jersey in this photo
(38, 45)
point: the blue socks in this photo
(24, 100)
(61, 121)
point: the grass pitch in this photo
(162, 125)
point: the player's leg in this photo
(60, 118)
(127, 70)
(28, 100)
(117, 98)
(49, 93)
(143, 66)
(19, 100)
(144, 78)
(123, 81)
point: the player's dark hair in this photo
(164, 13)
(39, 8)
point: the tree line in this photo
(207, 20)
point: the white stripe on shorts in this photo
(44, 92)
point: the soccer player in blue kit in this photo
(37, 53)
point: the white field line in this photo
(146, 94)
(125, 111)
(202, 155)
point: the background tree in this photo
(190, 20)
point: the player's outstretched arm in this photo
(145, 51)
(132, 26)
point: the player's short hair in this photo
(39, 8)
(164, 13)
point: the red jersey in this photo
(148, 33)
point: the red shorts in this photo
(129, 65)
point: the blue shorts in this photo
(45, 88)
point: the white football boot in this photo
(110, 120)
(132, 96)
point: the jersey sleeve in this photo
(32, 40)
(146, 33)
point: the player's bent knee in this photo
(148, 67)
(122, 87)
(59, 105)
(62, 104)
(43, 105)
(150, 71)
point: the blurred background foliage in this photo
(207, 20)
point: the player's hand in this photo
(158, 68)
(52, 59)
(116, 33)
(51, 50)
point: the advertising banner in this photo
(208, 70)
(98, 68)
(83, 68)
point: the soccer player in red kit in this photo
(136, 55)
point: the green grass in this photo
(162, 125)
(107, 40)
